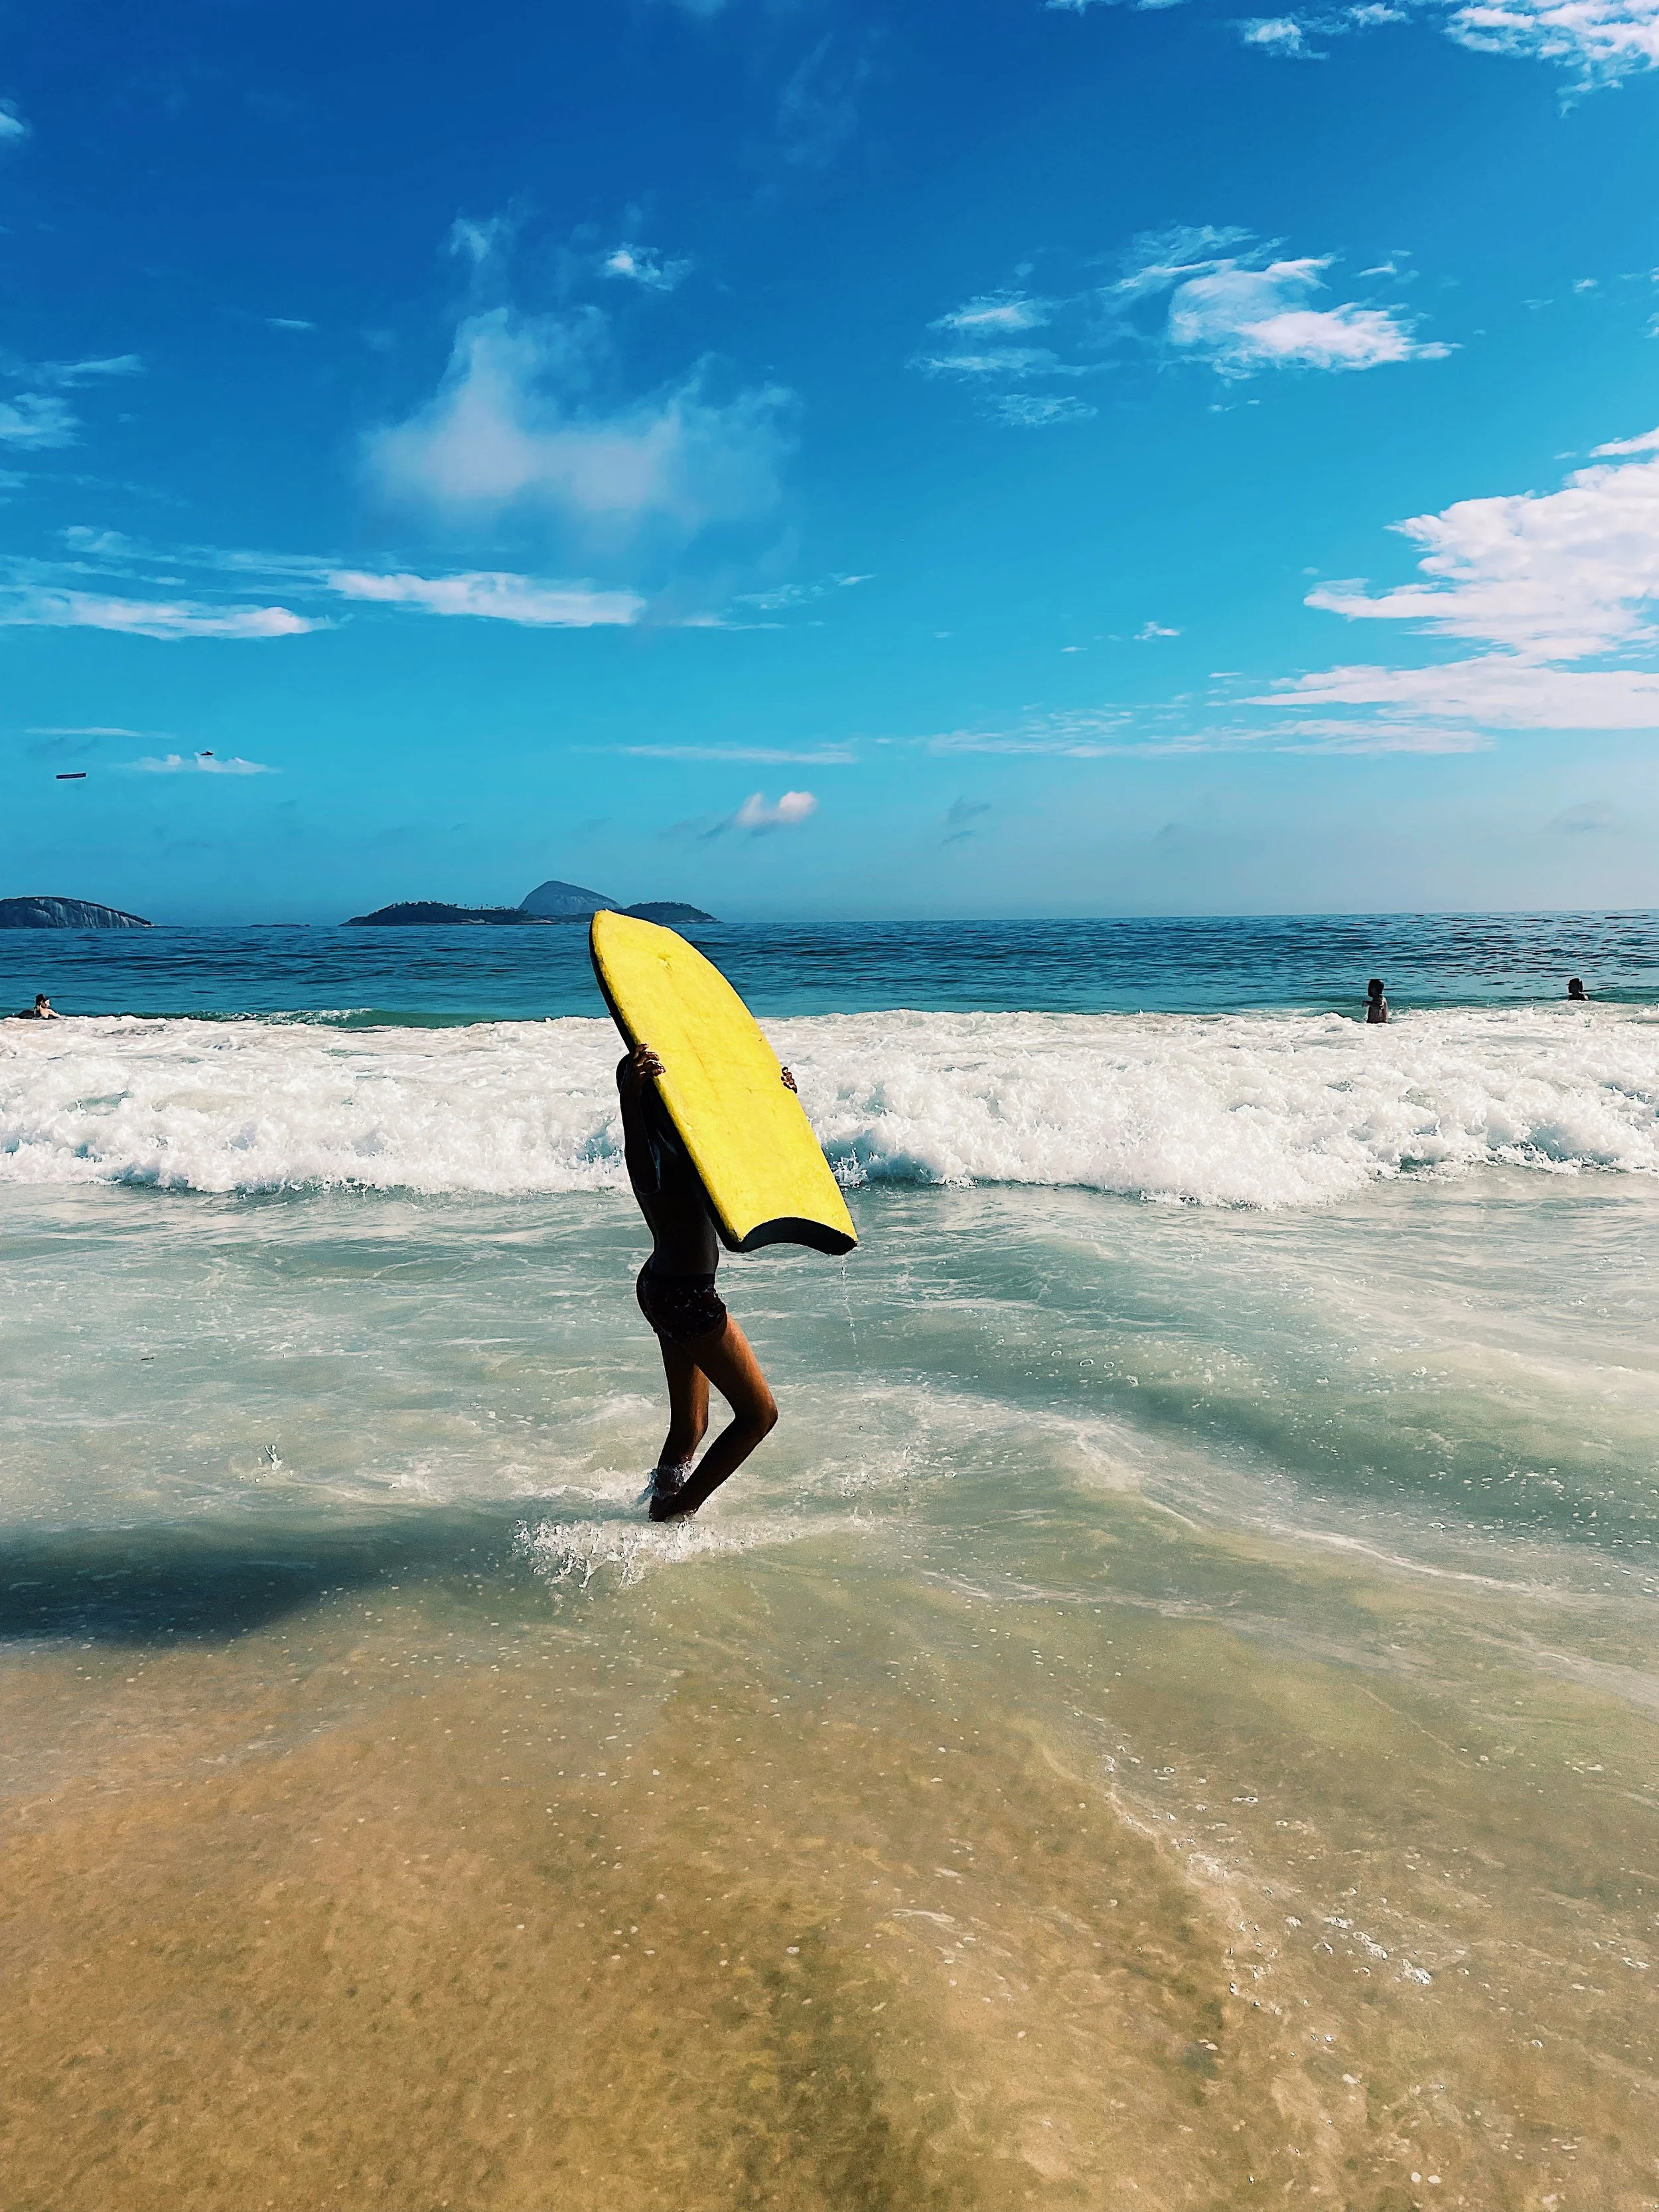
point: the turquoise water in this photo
(1192, 1629)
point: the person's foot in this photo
(667, 1481)
(672, 1504)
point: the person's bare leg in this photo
(730, 1365)
(688, 1406)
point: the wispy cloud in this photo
(997, 362)
(515, 425)
(995, 315)
(41, 606)
(644, 266)
(818, 108)
(200, 764)
(494, 596)
(1278, 34)
(288, 323)
(36, 419)
(36, 422)
(13, 128)
(759, 756)
(1243, 312)
(1149, 631)
(1347, 737)
(1599, 41)
(1033, 410)
(782, 597)
(1215, 296)
(67, 375)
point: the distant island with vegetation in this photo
(548, 903)
(552, 901)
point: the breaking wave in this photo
(1232, 1109)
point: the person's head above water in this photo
(41, 1000)
(1374, 988)
(1575, 988)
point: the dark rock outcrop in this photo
(668, 910)
(432, 913)
(66, 914)
(556, 902)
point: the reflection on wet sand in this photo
(833, 1882)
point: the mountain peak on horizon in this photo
(564, 900)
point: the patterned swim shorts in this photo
(680, 1307)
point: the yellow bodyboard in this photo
(762, 1170)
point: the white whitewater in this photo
(1263, 1110)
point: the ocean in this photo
(1170, 1717)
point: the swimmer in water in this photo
(42, 1010)
(1376, 1006)
(1576, 990)
(699, 1340)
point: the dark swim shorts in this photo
(680, 1307)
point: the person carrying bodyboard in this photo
(718, 1151)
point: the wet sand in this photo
(1179, 1870)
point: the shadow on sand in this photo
(214, 1583)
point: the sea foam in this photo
(1234, 1110)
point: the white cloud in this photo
(1600, 41)
(1278, 34)
(36, 421)
(1552, 576)
(201, 764)
(1646, 443)
(12, 126)
(41, 606)
(997, 362)
(756, 814)
(1149, 631)
(643, 265)
(288, 323)
(512, 426)
(1495, 690)
(1542, 581)
(1549, 587)
(995, 312)
(1244, 319)
(497, 596)
(1194, 293)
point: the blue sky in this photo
(986, 459)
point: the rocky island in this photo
(549, 902)
(66, 914)
(434, 913)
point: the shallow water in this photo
(1170, 1716)
(1174, 1704)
